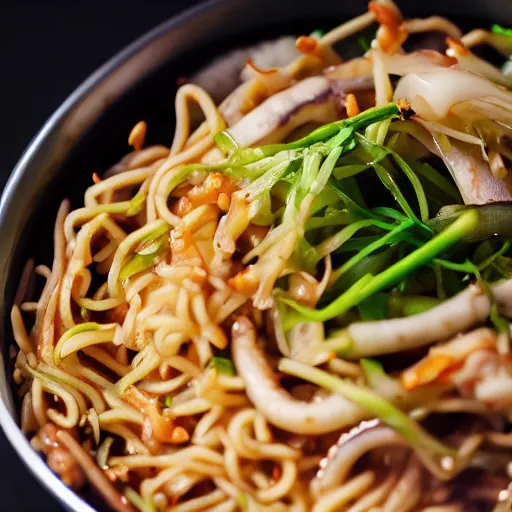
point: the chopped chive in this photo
(364, 43)
(317, 34)
(498, 29)
(465, 224)
(222, 365)
(433, 453)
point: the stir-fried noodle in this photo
(301, 305)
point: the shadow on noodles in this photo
(303, 303)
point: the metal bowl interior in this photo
(88, 133)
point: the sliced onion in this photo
(433, 94)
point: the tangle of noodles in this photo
(149, 362)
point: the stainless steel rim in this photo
(18, 180)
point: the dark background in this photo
(47, 48)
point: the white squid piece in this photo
(274, 402)
(470, 307)
(310, 100)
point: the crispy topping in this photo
(352, 106)
(456, 46)
(223, 201)
(306, 44)
(391, 34)
(138, 135)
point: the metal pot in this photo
(89, 132)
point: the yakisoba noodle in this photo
(317, 319)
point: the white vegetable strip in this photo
(470, 307)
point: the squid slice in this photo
(274, 402)
(458, 314)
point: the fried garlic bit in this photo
(138, 135)
(391, 34)
(352, 106)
